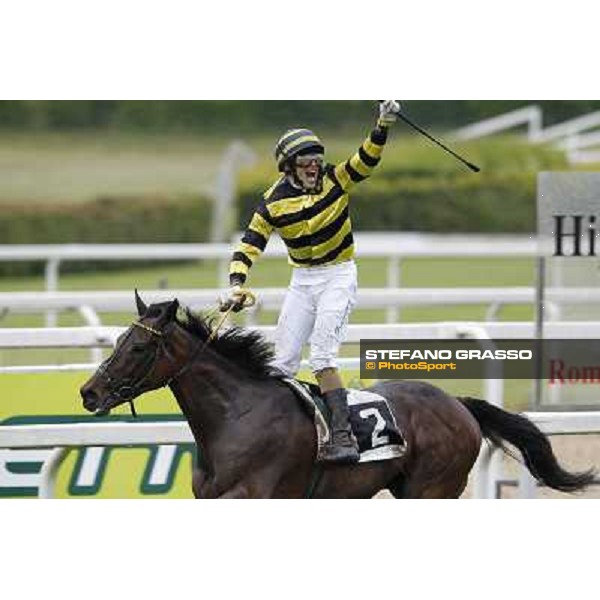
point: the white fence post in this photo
(393, 282)
(51, 275)
(483, 481)
(49, 472)
(91, 318)
(527, 485)
(237, 154)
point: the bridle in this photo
(127, 391)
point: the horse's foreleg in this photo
(204, 488)
(199, 484)
(238, 492)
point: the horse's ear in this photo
(141, 307)
(172, 309)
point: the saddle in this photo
(371, 419)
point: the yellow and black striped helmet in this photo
(294, 142)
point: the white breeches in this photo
(318, 302)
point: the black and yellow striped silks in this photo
(316, 228)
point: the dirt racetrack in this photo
(574, 452)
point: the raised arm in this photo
(251, 246)
(361, 164)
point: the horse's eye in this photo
(138, 348)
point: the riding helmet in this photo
(295, 142)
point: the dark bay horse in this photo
(255, 440)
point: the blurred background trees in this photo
(247, 117)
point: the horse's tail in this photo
(498, 426)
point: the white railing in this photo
(581, 141)
(62, 437)
(580, 147)
(89, 304)
(530, 116)
(584, 156)
(569, 128)
(105, 337)
(272, 298)
(567, 135)
(368, 245)
(89, 337)
(394, 247)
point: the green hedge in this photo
(107, 220)
(505, 203)
(448, 205)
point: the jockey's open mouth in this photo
(308, 169)
(311, 178)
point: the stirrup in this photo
(341, 453)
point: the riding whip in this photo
(408, 121)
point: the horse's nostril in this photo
(90, 399)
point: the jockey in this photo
(308, 206)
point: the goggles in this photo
(308, 159)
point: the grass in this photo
(76, 167)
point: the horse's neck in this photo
(211, 395)
(214, 397)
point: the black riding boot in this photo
(342, 447)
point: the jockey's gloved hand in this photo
(388, 112)
(236, 297)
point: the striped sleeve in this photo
(251, 245)
(361, 164)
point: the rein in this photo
(202, 345)
(127, 392)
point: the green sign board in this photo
(153, 471)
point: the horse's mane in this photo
(247, 349)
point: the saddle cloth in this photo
(372, 421)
